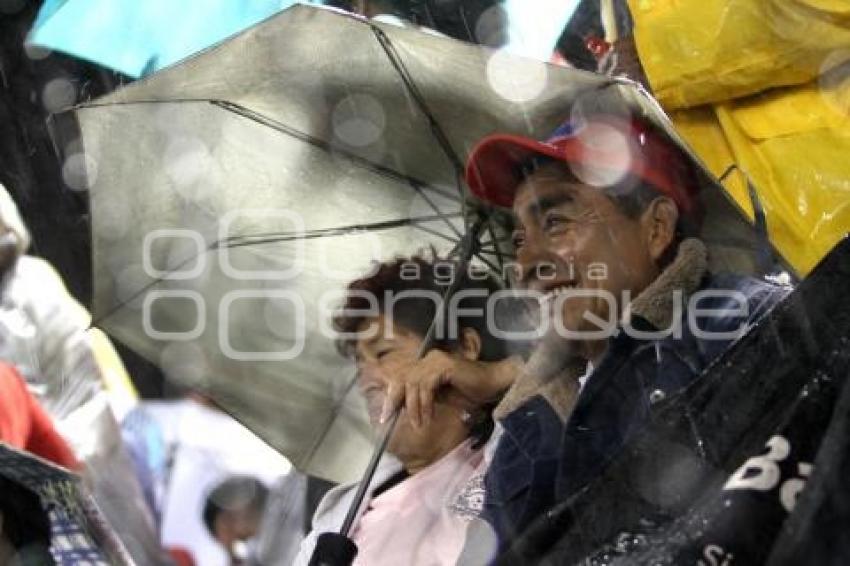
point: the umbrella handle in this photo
(333, 549)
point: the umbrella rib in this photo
(436, 209)
(241, 241)
(419, 99)
(407, 79)
(436, 233)
(488, 263)
(496, 246)
(321, 144)
(292, 132)
(416, 184)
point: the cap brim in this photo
(493, 170)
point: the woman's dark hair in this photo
(415, 313)
(26, 524)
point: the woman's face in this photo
(381, 356)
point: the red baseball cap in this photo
(601, 150)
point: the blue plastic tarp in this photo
(137, 38)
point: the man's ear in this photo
(659, 223)
(470, 344)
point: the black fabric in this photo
(539, 462)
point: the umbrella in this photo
(138, 38)
(78, 532)
(233, 194)
(745, 466)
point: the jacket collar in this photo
(656, 305)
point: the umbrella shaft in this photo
(370, 472)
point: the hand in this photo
(468, 383)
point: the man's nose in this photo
(536, 263)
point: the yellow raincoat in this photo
(759, 83)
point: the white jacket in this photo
(334, 507)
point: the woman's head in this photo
(383, 323)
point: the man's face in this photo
(571, 236)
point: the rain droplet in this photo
(187, 161)
(58, 94)
(617, 152)
(516, 79)
(492, 27)
(36, 52)
(79, 171)
(359, 120)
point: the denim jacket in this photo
(540, 460)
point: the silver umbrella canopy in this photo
(234, 194)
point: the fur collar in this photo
(655, 304)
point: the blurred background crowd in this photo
(181, 481)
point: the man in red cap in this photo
(606, 215)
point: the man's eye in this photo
(518, 240)
(554, 221)
(381, 353)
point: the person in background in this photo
(288, 508)
(233, 513)
(428, 486)
(25, 425)
(69, 367)
(179, 467)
